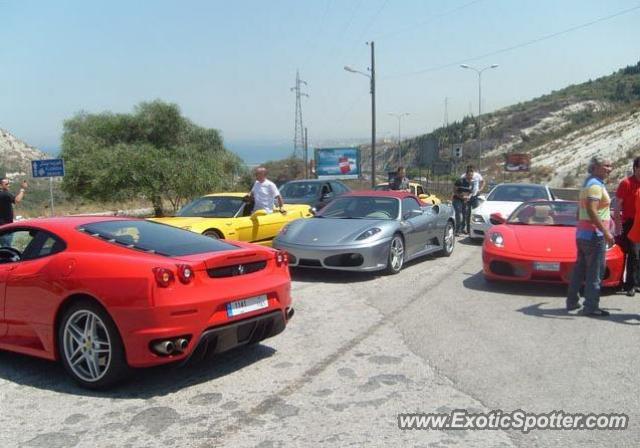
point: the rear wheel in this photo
(395, 259)
(448, 240)
(90, 346)
(212, 234)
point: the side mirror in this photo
(412, 214)
(435, 209)
(497, 219)
(326, 196)
(257, 213)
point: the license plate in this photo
(247, 305)
(545, 266)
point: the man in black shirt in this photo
(462, 189)
(7, 200)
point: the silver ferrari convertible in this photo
(369, 231)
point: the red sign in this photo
(517, 162)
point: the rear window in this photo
(154, 237)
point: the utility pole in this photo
(306, 155)
(373, 115)
(298, 133)
(446, 111)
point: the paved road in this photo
(360, 350)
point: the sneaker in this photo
(630, 292)
(573, 306)
(637, 288)
(598, 312)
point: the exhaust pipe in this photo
(181, 344)
(164, 347)
(289, 313)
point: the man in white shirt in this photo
(477, 182)
(264, 192)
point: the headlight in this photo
(372, 231)
(186, 227)
(497, 239)
(477, 219)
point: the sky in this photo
(231, 65)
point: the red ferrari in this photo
(537, 243)
(106, 294)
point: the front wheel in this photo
(448, 240)
(212, 234)
(395, 259)
(90, 346)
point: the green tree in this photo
(154, 153)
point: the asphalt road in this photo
(360, 350)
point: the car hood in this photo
(331, 231)
(546, 241)
(503, 207)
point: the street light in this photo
(479, 72)
(399, 117)
(372, 80)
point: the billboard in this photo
(337, 163)
(514, 162)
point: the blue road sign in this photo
(47, 168)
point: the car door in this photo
(415, 220)
(32, 288)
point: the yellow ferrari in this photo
(228, 216)
(416, 189)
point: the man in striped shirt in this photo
(593, 235)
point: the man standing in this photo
(400, 181)
(264, 192)
(461, 191)
(624, 214)
(7, 200)
(593, 234)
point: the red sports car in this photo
(106, 294)
(537, 243)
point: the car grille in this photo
(237, 269)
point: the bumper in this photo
(344, 258)
(244, 332)
(521, 269)
(478, 230)
(201, 317)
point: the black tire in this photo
(395, 257)
(212, 233)
(448, 240)
(105, 331)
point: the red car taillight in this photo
(164, 277)
(281, 258)
(185, 273)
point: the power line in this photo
(514, 47)
(429, 20)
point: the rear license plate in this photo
(546, 266)
(247, 305)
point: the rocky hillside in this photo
(16, 156)
(561, 131)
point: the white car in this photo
(504, 199)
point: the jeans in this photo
(590, 267)
(460, 208)
(631, 279)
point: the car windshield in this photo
(517, 193)
(549, 213)
(361, 207)
(294, 190)
(212, 207)
(155, 238)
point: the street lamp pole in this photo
(399, 117)
(372, 80)
(479, 72)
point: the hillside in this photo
(561, 131)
